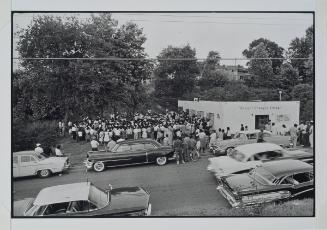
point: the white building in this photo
(253, 114)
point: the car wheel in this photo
(44, 173)
(161, 160)
(229, 150)
(98, 166)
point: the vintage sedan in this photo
(130, 152)
(247, 137)
(273, 181)
(245, 157)
(85, 199)
(28, 163)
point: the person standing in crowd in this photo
(106, 138)
(220, 135)
(301, 132)
(186, 144)
(58, 151)
(294, 134)
(87, 134)
(202, 138)
(135, 131)
(165, 141)
(94, 145)
(260, 136)
(144, 133)
(74, 130)
(268, 126)
(228, 133)
(129, 133)
(213, 138)
(311, 133)
(307, 135)
(110, 145)
(178, 149)
(242, 127)
(79, 135)
(283, 131)
(273, 129)
(246, 128)
(101, 137)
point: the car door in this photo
(138, 153)
(15, 166)
(303, 186)
(120, 155)
(28, 165)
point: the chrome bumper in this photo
(231, 200)
(88, 164)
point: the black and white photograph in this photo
(164, 114)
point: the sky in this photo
(227, 33)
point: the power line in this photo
(150, 59)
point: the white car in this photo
(28, 163)
(245, 157)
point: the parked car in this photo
(129, 152)
(28, 163)
(85, 199)
(273, 181)
(247, 137)
(245, 157)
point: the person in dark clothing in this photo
(178, 148)
(242, 127)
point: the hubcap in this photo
(161, 160)
(98, 166)
(44, 173)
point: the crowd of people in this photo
(183, 131)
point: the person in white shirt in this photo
(213, 138)
(111, 144)
(58, 151)
(38, 150)
(94, 145)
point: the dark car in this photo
(130, 152)
(271, 182)
(85, 199)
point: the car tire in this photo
(227, 151)
(161, 161)
(98, 166)
(44, 173)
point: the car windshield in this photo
(263, 176)
(98, 197)
(29, 207)
(237, 155)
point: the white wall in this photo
(233, 114)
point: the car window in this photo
(237, 155)
(303, 177)
(269, 155)
(15, 160)
(25, 159)
(149, 146)
(58, 208)
(288, 180)
(123, 148)
(138, 146)
(79, 206)
(33, 159)
(40, 211)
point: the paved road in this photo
(171, 186)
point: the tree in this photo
(273, 51)
(289, 77)
(213, 78)
(304, 94)
(70, 87)
(303, 48)
(261, 69)
(173, 78)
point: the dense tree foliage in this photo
(64, 88)
(273, 51)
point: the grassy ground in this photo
(291, 208)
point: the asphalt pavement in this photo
(171, 186)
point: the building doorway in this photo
(260, 121)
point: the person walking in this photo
(202, 138)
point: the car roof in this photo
(250, 149)
(26, 152)
(63, 193)
(280, 168)
(141, 140)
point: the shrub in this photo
(26, 135)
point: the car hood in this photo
(224, 165)
(243, 183)
(21, 205)
(298, 153)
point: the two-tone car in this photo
(273, 181)
(28, 163)
(223, 147)
(85, 199)
(130, 152)
(245, 157)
